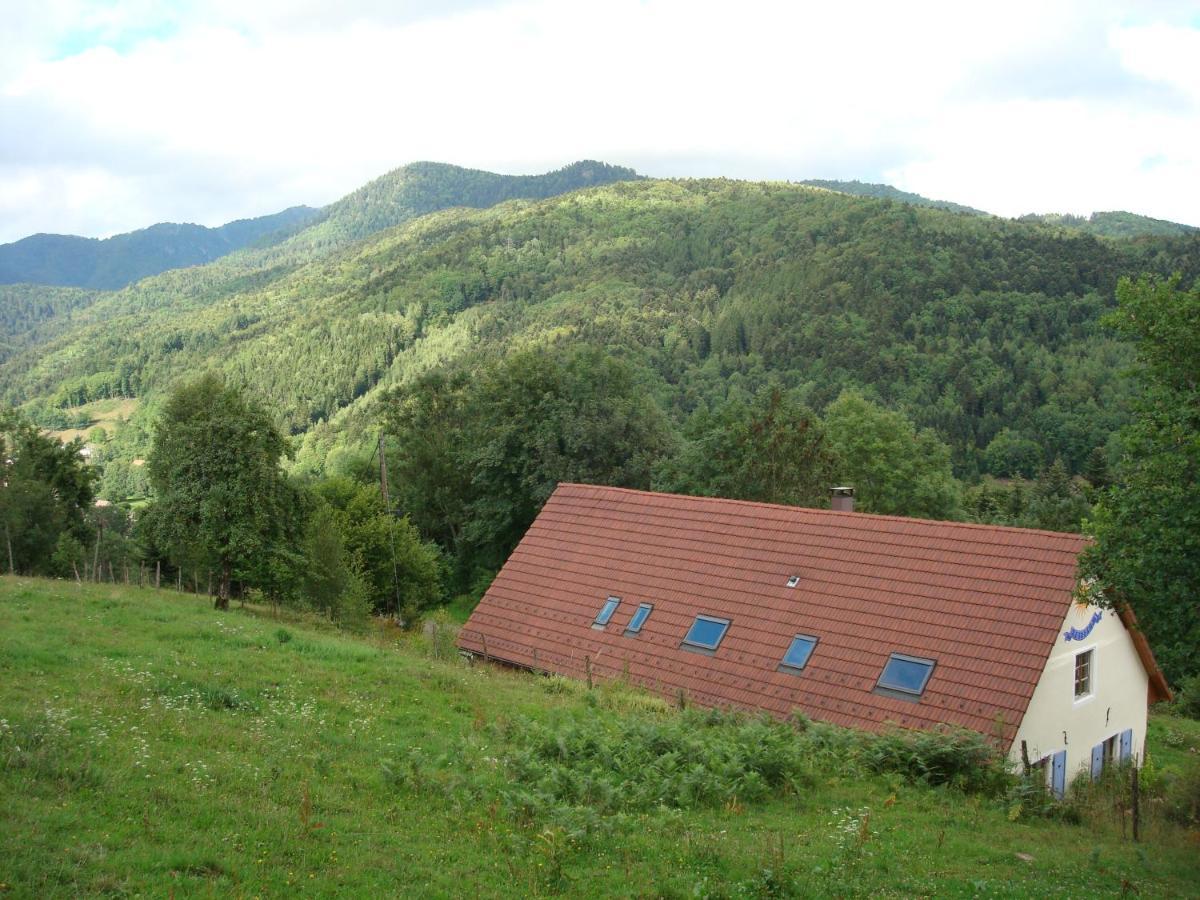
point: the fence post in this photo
(157, 573)
(486, 657)
(587, 666)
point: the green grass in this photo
(151, 746)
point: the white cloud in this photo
(241, 109)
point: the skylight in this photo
(793, 581)
(639, 618)
(706, 632)
(606, 612)
(905, 675)
(798, 654)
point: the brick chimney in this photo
(841, 499)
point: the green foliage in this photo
(1187, 698)
(1116, 224)
(45, 494)
(221, 498)
(1011, 453)
(894, 469)
(477, 456)
(708, 759)
(69, 558)
(773, 450)
(358, 555)
(967, 325)
(1147, 525)
(1056, 502)
(887, 192)
(332, 765)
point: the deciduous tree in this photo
(220, 494)
(1147, 525)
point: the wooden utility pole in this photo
(97, 573)
(383, 484)
(387, 506)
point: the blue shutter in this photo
(1097, 761)
(1058, 774)
(1127, 745)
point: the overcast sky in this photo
(115, 115)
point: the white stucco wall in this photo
(1056, 721)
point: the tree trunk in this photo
(12, 569)
(97, 572)
(223, 589)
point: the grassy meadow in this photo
(150, 746)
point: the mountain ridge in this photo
(714, 288)
(66, 260)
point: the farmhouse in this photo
(861, 620)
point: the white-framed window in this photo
(1085, 673)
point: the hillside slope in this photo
(30, 315)
(152, 747)
(971, 325)
(1117, 224)
(887, 192)
(112, 263)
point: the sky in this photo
(115, 115)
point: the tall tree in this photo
(46, 490)
(1147, 524)
(546, 416)
(477, 457)
(895, 469)
(220, 494)
(772, 449)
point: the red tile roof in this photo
(985, 602)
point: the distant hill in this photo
(72, 261)
(1116, 224)
(970, 324)
(424, 187)
(887, 192)
(31, 314)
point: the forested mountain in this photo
(1114, 224)
(982, 329)
(425, 187)
(32, 314)
(69, 260)
(887, 192)
(27, 309)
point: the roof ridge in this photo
(700, 498)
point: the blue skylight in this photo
(907, 674)
(706, 632)
(798, 654)
(639, 618)
(606, 612)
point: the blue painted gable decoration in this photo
(1078, 634)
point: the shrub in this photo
(439, 636)
(1183, 798)
(964, 759)
(1187, 699)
